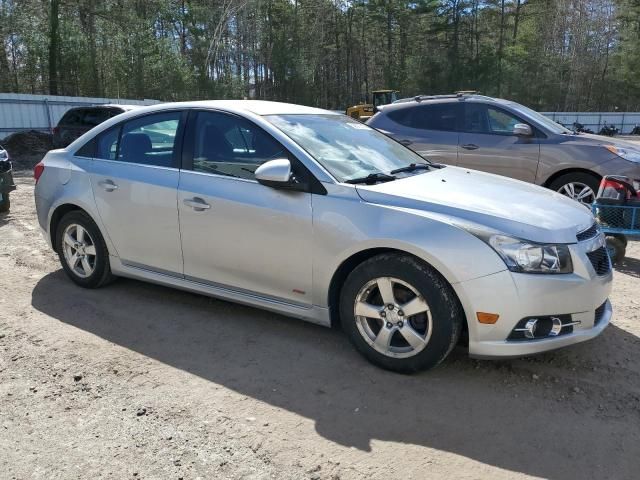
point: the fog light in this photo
(548, 326)
(556, 327)
(530, 328)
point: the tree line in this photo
(559, 55)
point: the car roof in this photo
(245, 108)
(256, 107)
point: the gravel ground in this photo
(140, 381)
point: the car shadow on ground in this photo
(5, 218)
(463, 406)
(629, 266)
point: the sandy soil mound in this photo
(27, 148)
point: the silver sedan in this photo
(314, 215)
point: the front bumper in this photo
(515, 296)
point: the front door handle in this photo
(108, 185)
(405, 142)
(470, 146)
(197, 204)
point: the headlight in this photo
(520, 255)
(626, 153)
(3, 155)
(526, 257)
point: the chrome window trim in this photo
(119, 162)
(226, 177)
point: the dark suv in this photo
(506, 138)
(6, 180)
(80, 120)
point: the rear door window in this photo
(403, 116)
(147, 140)
(436, 116)
(150, 140)
(108, 144)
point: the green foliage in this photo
(549, 54)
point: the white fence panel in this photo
(20, 112)
(625, 121)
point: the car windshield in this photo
(347, 148)
(549, 124)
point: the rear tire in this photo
(580, 186)
(400, 313)
(82, 251)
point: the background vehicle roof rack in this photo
(458, 94)
(419, 98)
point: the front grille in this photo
(600, 313)
(590, 232)
(600, 260)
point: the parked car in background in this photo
(79, 120)
(506, 138)
(6, 180)
(315, 215)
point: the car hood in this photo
(509, 206)
(592, 139)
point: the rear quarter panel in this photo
(65, 181)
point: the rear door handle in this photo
(405, 142)
(197, 204)
(470, 146)
(108, 185)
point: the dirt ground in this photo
(140, 381)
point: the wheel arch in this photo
(560, 173)
(350, 263)
(58, 214)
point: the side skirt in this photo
(313, 313)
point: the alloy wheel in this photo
(79, 250)
(579, 192)
(393, 317)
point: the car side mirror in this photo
(522, 130)
(275, 173)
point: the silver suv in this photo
(314, 215)
(506, 138)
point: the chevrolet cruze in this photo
(314, 215)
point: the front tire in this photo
(580, 186)
(82, 250)
(400, 313)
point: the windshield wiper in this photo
(411, 167)
(372, 178)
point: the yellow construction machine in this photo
(364, 111)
